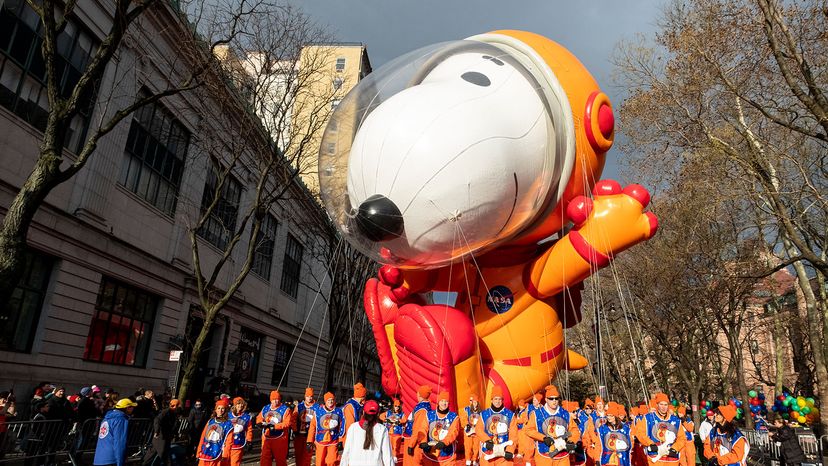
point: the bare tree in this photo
(67, 103)
(741, 81)
(263, 142)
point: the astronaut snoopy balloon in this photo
(458, 167)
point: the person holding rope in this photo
(613, 439)
(688, 454)
(394, 420)
(661, 434)
(497, 432)
(326, 432)
(469, 417)
(435, 433)
(413, 455)
(242, 431)
(526, 445)
(353, 407)
(726, 445)
(275, 420)
(301, 423)
(553, 430)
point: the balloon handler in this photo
(466, 167)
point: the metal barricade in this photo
(36, 443)
(764, 450)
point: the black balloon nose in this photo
(379, 219)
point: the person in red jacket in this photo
(275, 420)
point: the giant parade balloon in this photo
(470, 171)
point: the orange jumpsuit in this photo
(735, 455)
(526, 446)
(275, 436)
(688, 454)
(425, 431)
(351, 414)
(224, 459)
(411, 442)
(531, 427)
(240, 438)
(471, 443)
(301, 424)
(395, 430)
(325, 435)
(483, 437)
(657, 423)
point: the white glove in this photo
(663, 449)
(498, 450)
(560, 444)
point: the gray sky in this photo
(590, 29)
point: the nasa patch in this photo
(500, 299)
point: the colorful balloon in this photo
(752, 393)
(450, 118)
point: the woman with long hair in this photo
(367, 442)
(725, 446)
(613, 440)
(217, 438)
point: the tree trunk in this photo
(193, 358)
(777, 349)
(19, 217)
(815, 335)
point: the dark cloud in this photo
(590, 29)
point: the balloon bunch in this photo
(757, 404)
(799, 408)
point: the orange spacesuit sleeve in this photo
(480, 432)
(531, 428)
(350, 416)
(513, 435)
(641, 433)
(681, 439)
(259, 418)
(736, 454)
(228, 445)
(453, 432)
(594, 449)
(383, 417)
(285, 424)
(708, 451)
(312, 429)
(249, 435)
(574, 433)
(419, 431)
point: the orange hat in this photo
(308, 391)
(615, 409)
(275, 395)
(328, 396)
(661, 398)
(589, 403)
(238, 399)
(539, 397)
(360, 391)
(598, 399)
(397, 402)
(575, 405)
(223, 402)
(682, 411)
(728, 412)
(633, 410)
(444, 395)
(552, 391)
(497, 391)
(174, 404)
(424, 391)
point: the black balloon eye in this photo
(476, 78)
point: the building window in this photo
(280, 363)
(23, 70)
(19, 318)
(340, 64)
(292, 266)
(220, 226)
(337, 81)
(154, 156)
(263, 256)
(122, 326)
(250, 345)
